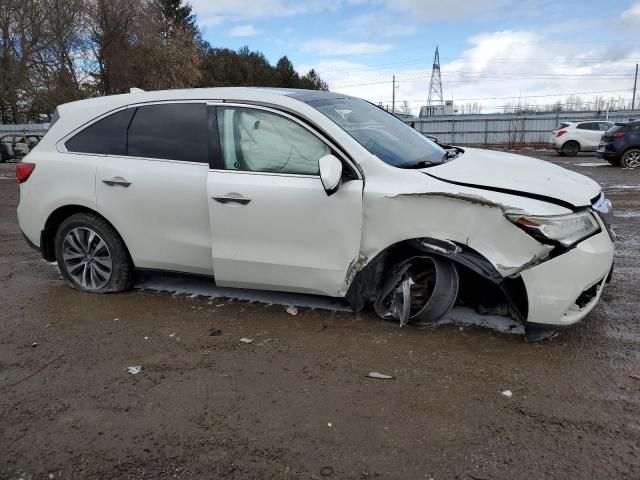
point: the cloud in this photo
(522, 64)
(244, 31)
(631, 17)
(449, 10)
(379, 24)
(327, 47)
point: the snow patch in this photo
(626, 213)
(592, 164)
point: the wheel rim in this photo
(87, 258)
(632, 159)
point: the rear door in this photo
(272, 224)
(589, 135)
(154, 189)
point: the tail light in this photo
(24, 171)
(560, 133)
(618, 134)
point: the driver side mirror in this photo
(330, 173)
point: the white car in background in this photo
(312, 192)
(570, 138)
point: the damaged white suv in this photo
(312, 192)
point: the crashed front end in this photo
(459, 245)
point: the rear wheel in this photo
(91, 255)
(571, 148)
(631, 158)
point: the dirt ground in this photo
(296, 402)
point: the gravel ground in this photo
(296, 403)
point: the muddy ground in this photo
(295, 403)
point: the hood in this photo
(517, 174)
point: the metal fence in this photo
(26, 128)
(507, 128)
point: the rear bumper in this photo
(563, 290)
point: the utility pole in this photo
(635, 84)
(393, 98)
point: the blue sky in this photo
(489, 49)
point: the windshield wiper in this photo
(450, 154)
(419, 164)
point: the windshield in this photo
(382, 134)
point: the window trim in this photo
(338, 152)
(62, 148)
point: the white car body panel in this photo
(292, 236)
(162, 216)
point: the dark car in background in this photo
(620, 145)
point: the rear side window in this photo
(604, 126)
(561, 126)
(589, 126)
(173, 131)
(107, 136)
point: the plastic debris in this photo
(292, 310)
(635, 375)
(216, 332)
(134, 370)
(34, 344)
(246, 340)
(507, 393)
(329, 425)
(380, 376)
(171, 335)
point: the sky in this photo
(491, 51)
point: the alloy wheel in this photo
(87, 258)
(632, 159)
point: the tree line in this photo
(57, 51)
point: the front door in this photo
(273, 225)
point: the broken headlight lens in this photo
(566, 230)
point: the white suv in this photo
(570, 138)
(311, 192)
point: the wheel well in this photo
(48, 235)
(481, 285)
(571, 141)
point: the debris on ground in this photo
(216, 332)
(635, 375)
(326, 471)
(34, 344)
(134, 370)
(329, 425)
(380, 376)
(171, 335)
(507, 393)
(246, 340)
(292, 310)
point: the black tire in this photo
(631, 158)
(613, 161)
(571, 148)
(121, 274)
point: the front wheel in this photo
(631, 158)
(91, 255)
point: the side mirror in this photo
(330, 173)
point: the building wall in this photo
(496, 129)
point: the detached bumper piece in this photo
(419, 290)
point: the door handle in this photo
(232, 199)
(117, 181)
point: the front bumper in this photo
(564, 289)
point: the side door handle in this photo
(116, 181)
(232, 198)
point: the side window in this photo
(588, 126)
(107, 136)
(258, 141)
(605, 126)
(172, 131)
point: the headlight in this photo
(564, 229)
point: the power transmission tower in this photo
(435, 86)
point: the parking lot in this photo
(297, 402)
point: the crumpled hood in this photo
(517, 173)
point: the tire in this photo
(631, 158)
(92, 256)
(571, 148)
(613, 161)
